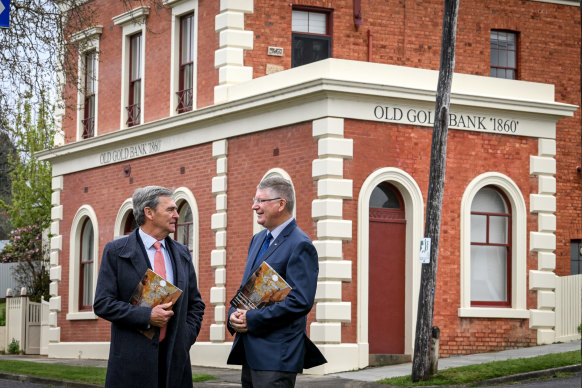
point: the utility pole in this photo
(421, 360)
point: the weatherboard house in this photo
(209, 97)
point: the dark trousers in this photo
(252, 378)
(163, 352)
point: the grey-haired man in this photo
(134, 359)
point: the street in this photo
(566, 382)
(326, 382)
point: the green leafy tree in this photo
(30, 208)
(7, 149)
(30, 177)
(29, 249)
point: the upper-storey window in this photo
(311, 38)
(88, 76)
(90, 89)
(133, 47)
(133, 104)
(186, 63)
(504, 54)
(490, 249)
(183, 55)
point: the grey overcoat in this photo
(133, 358)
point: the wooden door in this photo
(387, 241)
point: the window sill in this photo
(493, 312)
(82, 315)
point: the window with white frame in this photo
(88, 69)
(186, 63)
(90, 64)
(184, 227)
(188, 222)
(311, 35)
(86, 265)
(135, 73)
(133, 50)
(183, 57)
(490, 249)
(493, 249)
(83, 264)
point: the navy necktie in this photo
(264, 247)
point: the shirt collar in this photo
(148, 241)
(277, 231)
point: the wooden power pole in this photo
(421, 360)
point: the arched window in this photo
(86, 266)
(490, 249)
(130, 224)
(184, 227)
(385, 196)
(83, 264)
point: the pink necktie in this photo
(160, 269)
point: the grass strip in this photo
(82, 374)
(472, 374)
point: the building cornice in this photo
(318, 91)
(136, 15)
(87, 34)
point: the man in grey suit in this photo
(271, 343)
(134, 359)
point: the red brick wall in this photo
(108, 188)
(408, 148)
(408, 34)
(156, 79)
(404, 33)
(207, 45)
(296, 150)
(250, 157)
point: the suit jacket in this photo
(133, 358)
(277, 336)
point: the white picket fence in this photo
(568, 307)
(27, 323)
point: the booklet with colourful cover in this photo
(263, 288)
(151, 291)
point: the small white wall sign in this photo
(424, 255)
(275, 51)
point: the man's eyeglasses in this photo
(259, 201)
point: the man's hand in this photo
(160, 315)
(238, 321)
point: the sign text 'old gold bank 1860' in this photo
(462, 121)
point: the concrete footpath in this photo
(354, 379)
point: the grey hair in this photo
(282, 188)
(148, 196)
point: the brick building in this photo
(209, 97)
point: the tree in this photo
(37, 55)
(7, 150)
(31, 178)
(28, 248)
(424, 319)
(30, 208)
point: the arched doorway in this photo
(387, 255)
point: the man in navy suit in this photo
(134, 359)
(271, 343)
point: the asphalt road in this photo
(566, 382)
